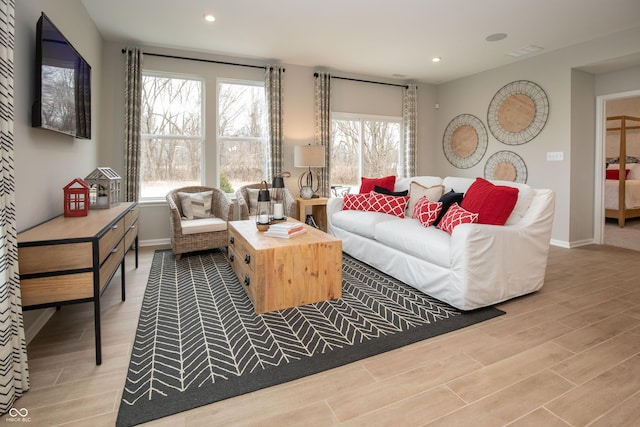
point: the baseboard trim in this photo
(155, 242)
(570, 245)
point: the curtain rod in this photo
(202, 60)
(365, 81)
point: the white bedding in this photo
(632, 196)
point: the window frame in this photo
(372, 117)
(201, 138)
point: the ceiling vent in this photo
(524, 51)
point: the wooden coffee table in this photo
(281, 273)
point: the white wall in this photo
(572, 134)
(46, 161)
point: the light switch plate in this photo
(555, 156)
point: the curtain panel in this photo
(273, 89)
(14, 372)
(409, 119)
(132, 114)
(322, 101)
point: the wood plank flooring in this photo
(568, 355)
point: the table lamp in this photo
(308, 156)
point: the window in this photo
(364, 146)
(172, 134)
(242, 133)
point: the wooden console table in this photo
(69, 260)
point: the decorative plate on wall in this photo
(506, 166)
(518, 112)
(465, 141)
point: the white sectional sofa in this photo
(476, 265)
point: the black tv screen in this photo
(63, 84)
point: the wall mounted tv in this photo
(63, 84)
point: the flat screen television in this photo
(63, 84)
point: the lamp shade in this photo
(308, 156)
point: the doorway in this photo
(606, 230)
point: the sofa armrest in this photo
(334, 204)
(513, 256)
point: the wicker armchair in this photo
(189, 235)
(242, 195)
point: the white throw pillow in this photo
(417, 191)
(196, 205)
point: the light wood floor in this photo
(568, 355)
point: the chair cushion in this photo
(203, 225)
(196, 205)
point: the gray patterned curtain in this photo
(409, 118)
(14, 372)
(132, 99)
(273, 89)
(322, 98)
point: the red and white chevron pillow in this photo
(455, 216)
(426, 211)
(356, 202)
(392, 205)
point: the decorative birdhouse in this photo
(104, 184)
(76, 198)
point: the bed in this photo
(622, 184)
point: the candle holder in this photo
(263, 214)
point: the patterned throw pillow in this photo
(196, 205)
(455, 216)
(356, 202)
(426, 211)
(417, 191)
(392, 205)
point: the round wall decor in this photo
(518, 112)
(506, 166)
(465, 141)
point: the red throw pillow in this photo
(367, 185)
(492, 203)
(392, 205)
(456, 216)
(426, 211)
(615, 173)
(356, 202)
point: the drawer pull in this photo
(232, 240)
(132, 227)
(115, 227)
(247, 259)
(114, 250)
(247, 280)
(231, 257)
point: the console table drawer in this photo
(111, 238)
(45, 290)
(56, 257)
(111, 263)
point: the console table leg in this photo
(122, 269)
(96, 308)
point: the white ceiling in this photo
(386, 38)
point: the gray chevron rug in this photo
(199, 340)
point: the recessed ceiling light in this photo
(437, 59)
(496, 37)
(209, 17)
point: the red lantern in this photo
(76, 198)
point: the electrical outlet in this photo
(555, 156)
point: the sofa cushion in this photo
(367, 185)
(409, 236)
(202, 225)
(361, 222)
(356, 202)
(426, 211)
(455, 216)
(447, 200)
(493, 203)
(392, 205)
(383, 190)
(417, 191)
(196, 205)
